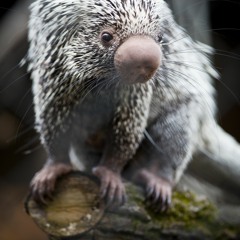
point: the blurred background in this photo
(214, 22)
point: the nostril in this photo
(145, 73)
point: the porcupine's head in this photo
(122, 36)
(101, 39)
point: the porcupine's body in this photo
(88, 86)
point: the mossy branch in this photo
(76, 212)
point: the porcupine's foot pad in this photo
(112, 188)
(43, 183)
(158, 191)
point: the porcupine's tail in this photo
(217, 160)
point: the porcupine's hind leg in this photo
(161, 159)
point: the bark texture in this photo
(76, 212)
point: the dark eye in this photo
(160, 38)
(106, 37)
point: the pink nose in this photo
(137, 59)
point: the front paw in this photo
(158, 191)
(43, 182)
(112, 188)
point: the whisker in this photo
(189, 80)
(13, 82)
(202, 70)
(23, 118)
(20, 134)
(32, 150)
(150, 139)
(30, 143)
(182, 63)
(209, 108)
(10, 71)
(22, 99)
(218, 52)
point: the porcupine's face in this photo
(118, 38)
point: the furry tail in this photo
(218, 160)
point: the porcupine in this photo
(113, 70)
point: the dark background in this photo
(21, 157)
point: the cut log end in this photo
(75, 209)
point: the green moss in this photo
(187, 212)
(190, 213)
(134, 196)
(187, 208)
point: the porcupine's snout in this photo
(137, 59)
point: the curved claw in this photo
(165, 198)
(158, 191)
(160, 198)
(43, 183)
(112, 188)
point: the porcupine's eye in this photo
(106, 37)
(160, 38)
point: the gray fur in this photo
(175, 107)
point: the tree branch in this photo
(76, 212)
